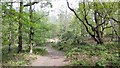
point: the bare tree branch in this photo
(28, 4)
(87, 29)
(73, 11)
(101, 24)
(107, 27)
(110, 22)
(102, 16)
(114, 20)
(86, 16)
(40, 18)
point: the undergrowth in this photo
(20, 59)
(91, 55)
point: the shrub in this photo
(80, 63)
(39, 51)
(108, 54)
(101, 63)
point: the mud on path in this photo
(53, 58)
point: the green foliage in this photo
(101, 63)
(69, 39)
(39, 51)
(72, 40)
(115, 62)
(107, 54)
(20, 59)
(9, 24)
(80, 63)
(15, 59)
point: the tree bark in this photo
(97, 31)
(10, 33)
(20, 29)
(31, 30)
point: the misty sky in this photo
(57, 7)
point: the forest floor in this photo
(53, 58)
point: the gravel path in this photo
(54, 58)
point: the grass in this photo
(20, 59)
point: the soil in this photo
(53, 58)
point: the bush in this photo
(115, 63)
(108, 54)
(101, 63)
(19, 59)
(39, 51)
(80, 63)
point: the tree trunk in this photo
(10, 33)
(20, 29)
(99, 37)
(97, 30)
(10, 41)
(31, 31)
(31, 40)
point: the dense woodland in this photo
(89, 35)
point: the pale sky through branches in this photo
(58, 6)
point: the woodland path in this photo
(53, 58)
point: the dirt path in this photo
(54, 58)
